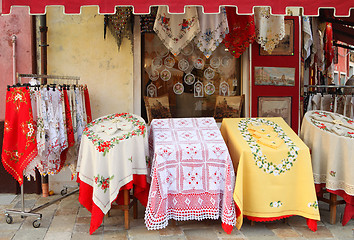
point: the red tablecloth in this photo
(141, 192)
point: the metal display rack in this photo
(36, 223)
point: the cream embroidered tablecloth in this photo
(192, 173)
(273, 170)
(113, 152)
(330, 136)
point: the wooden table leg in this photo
(333, 208)
(126, 211)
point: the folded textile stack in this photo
(265, 135)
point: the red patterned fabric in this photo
(241, 32)
(349, 200)
(87, 105)
(312, 224)
(141, 192)
(69, 130)
(20, 145)
(329, 51)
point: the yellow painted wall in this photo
(77, 48)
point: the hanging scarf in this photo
(120, 24)
(213, 28)
(19, 146)
(306, 29)
(269, 29)
(69, 129)
(329, 45)
(147, 21)
(87, 104)
(241, 32)
(176, 30)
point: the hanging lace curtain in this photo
(120, 24)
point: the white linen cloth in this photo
(306, 29)
(108, 162)
(330, 137)
(270, 29)
(192, 173)
(213, 28)
(176, 30)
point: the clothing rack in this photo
(36, 223)
(337, 87)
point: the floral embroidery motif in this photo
(332, 173)
(28, 129)
(105, 146)
(18, 97)
(14, 155)
(103, 182)
(275, 204)
(313, 205)
(322, 126)
(259, 157)
(7, 127)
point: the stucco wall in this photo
(18, 23)
(77, 48)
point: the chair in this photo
(228, 107)
(157, 107)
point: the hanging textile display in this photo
(147, 21)
(306, 29)
(270, 29)
(213, 28)
(19, 145)
(120, 24)
(329, 52)
(176, 30)
(241, 32)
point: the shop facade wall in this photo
(17, 23)
(77, 48)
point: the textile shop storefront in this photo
(189, 72)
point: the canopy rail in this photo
(310, 7)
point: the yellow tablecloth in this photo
(271, 180)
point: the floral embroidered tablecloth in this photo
(113, 153)
(330, 136)
(273, 170)
(192, 173)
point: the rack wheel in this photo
(9, 219)
(64, 191)
(36, 223)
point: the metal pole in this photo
(14, 58)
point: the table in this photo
(192, 173)
(330, 136)
(273, 170)
(113, 156)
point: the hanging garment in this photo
(306, 29)
(19, 145)
(328, 45)
(147, 21)
(176, 30)
(69, 130)
(347, 106)
(120, 24)
(309, 105)
(339, 106)
(269, 29)
(87, 104)
(241, 32)
(213, 28)
(326, 102)
(316, 101)
(30, 170)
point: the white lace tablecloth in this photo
(113, 148)
(330, 136)
(192, 173)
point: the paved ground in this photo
(67, 219)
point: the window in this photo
(191, 81)
(336, 78)
(342, 79)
